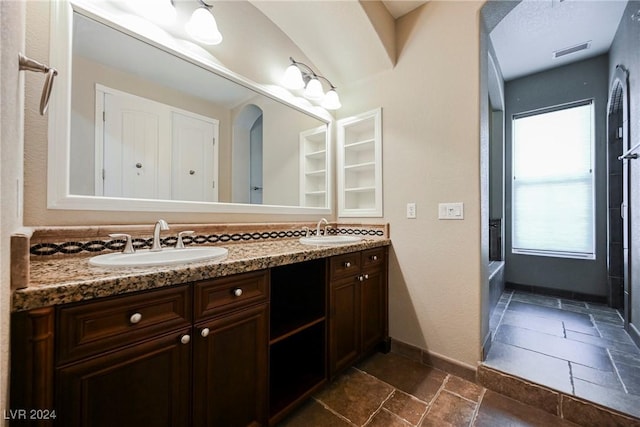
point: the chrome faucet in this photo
(160, 225)
(318, 226)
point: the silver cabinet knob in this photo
(204, 332)
(366, 276)
(237, 292)
(135, 318)
(347, 264)
(374, 257)
(360, 278)
(185, 339)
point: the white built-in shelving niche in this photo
(359, 165)
(314, 161)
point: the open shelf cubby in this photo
(298, 297)
(297, 366)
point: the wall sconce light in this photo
(299, 75)
(202, 25)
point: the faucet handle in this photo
(326, 230)
(180, 243)
(128, 246)
(305, 229)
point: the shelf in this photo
(316, 155)
(366, 166)
(359, 189)
(297, 366)
(360, 145)
(283, 336)
(359, 163)
(314, 167)
(298, 296)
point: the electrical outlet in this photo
(411, 210)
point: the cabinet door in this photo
(373, 308)
(230, 369)
(144, 385)
(344, 332)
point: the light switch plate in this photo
(451, 210)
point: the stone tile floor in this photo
(389, 390)
(575, 347)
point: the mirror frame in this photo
(59, 126)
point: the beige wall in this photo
(430, 125)
(11, 118)
(431, 152)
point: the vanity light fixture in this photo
(202, 25)
(299, 75)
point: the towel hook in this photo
(29, 64)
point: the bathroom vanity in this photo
(238, 342)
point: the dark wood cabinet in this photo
(147, 384)
(358, 301)
(233, 351)
(193, 354)
(230, 369)
(230, 347)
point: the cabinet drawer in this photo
(96, 327)
(373, 257)
(228, 293)
(345, 265)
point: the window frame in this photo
(557, 253)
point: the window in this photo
(553, 189)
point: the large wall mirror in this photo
(144, 121)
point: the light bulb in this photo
(331, 100)
(293, 78)
(314, 90)
(202, 27)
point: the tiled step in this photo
(566, 406)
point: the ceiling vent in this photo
(573, 49)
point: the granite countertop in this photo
(60, 280)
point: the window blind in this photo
(553, 189)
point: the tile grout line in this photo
(330, 409)
(380, 407)
(573, 386)
(394, 387)
(476, 411)
(435, 396)
(394, 415)
(615, 369)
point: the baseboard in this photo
(434, 360)
(559, 293)
(634, 334)
(486, 345)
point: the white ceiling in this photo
(526, 38)
(337, 36)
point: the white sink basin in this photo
(329, 240)
(146, 258)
